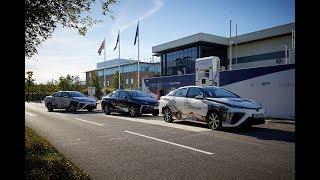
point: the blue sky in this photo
(160, 21)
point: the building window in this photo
(131, 81)
(127, 81)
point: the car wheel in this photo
(133, 111)
(106, 110)
(214, 121)
(167, 115)
(72, 108)
(49, 107)
(155, 114)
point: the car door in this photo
(56, 99)
(196, 107)
(123, 103)
(180, 100)
(115, 101)
(64, 100)
(109, 100)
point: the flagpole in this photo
(104, 69)
(230, 45)
(119, 61)
(138, 59)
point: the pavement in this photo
(120, 147)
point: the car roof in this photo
(67, 91)
(200, 87)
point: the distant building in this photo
(261, 48)
(128, 71)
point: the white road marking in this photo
(179, 145)
(89, 122)
(162, 123)
(30, 114)
(60, 114)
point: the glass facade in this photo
(179, 62)
(131, 68)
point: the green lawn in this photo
(43, 161)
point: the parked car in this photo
(133, 102)
(215, 106)
(69, 100)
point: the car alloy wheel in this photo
(214, 121)
(167, 116)
(50, 108)
(106, 110)
(72, 108)
(132, 111)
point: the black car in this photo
(133, 102)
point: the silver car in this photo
(69, 100)
(217, 107)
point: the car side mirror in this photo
(200, 96)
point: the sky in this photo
(161, 21)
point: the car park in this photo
(132, 102)
(217, 107)
(70, 101)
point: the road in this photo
(119, 147)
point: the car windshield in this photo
(218, 93)
(76, 94)
(138, 94)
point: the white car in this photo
(215, 106)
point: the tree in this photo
(115, 83)
(43, 16)
(29, 84)
(65, 83)
(95, 82)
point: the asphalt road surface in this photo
(119, 147)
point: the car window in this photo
(76, 94)
(111, 94)
(138, 94)
(63, 94)
(57, 94)
(123, 94)
(219, 93)
(193, 92)
(116, 94)
(181, 92)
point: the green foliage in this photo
(115, 83)
(108, 90)
(95, 82)
(42, 17)
(43, 161)
(69, 83)
(29, 84)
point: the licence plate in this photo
(260, 115)
(156, 107)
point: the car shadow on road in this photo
(255, 131)
(264, 133)
(190, 123)
(80, 112)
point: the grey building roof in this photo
(189, 40)
(115, 62)
(203, 37)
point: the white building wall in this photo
(262, 46)
(269, 45)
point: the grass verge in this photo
(43, 161)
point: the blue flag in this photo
(137, 34)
